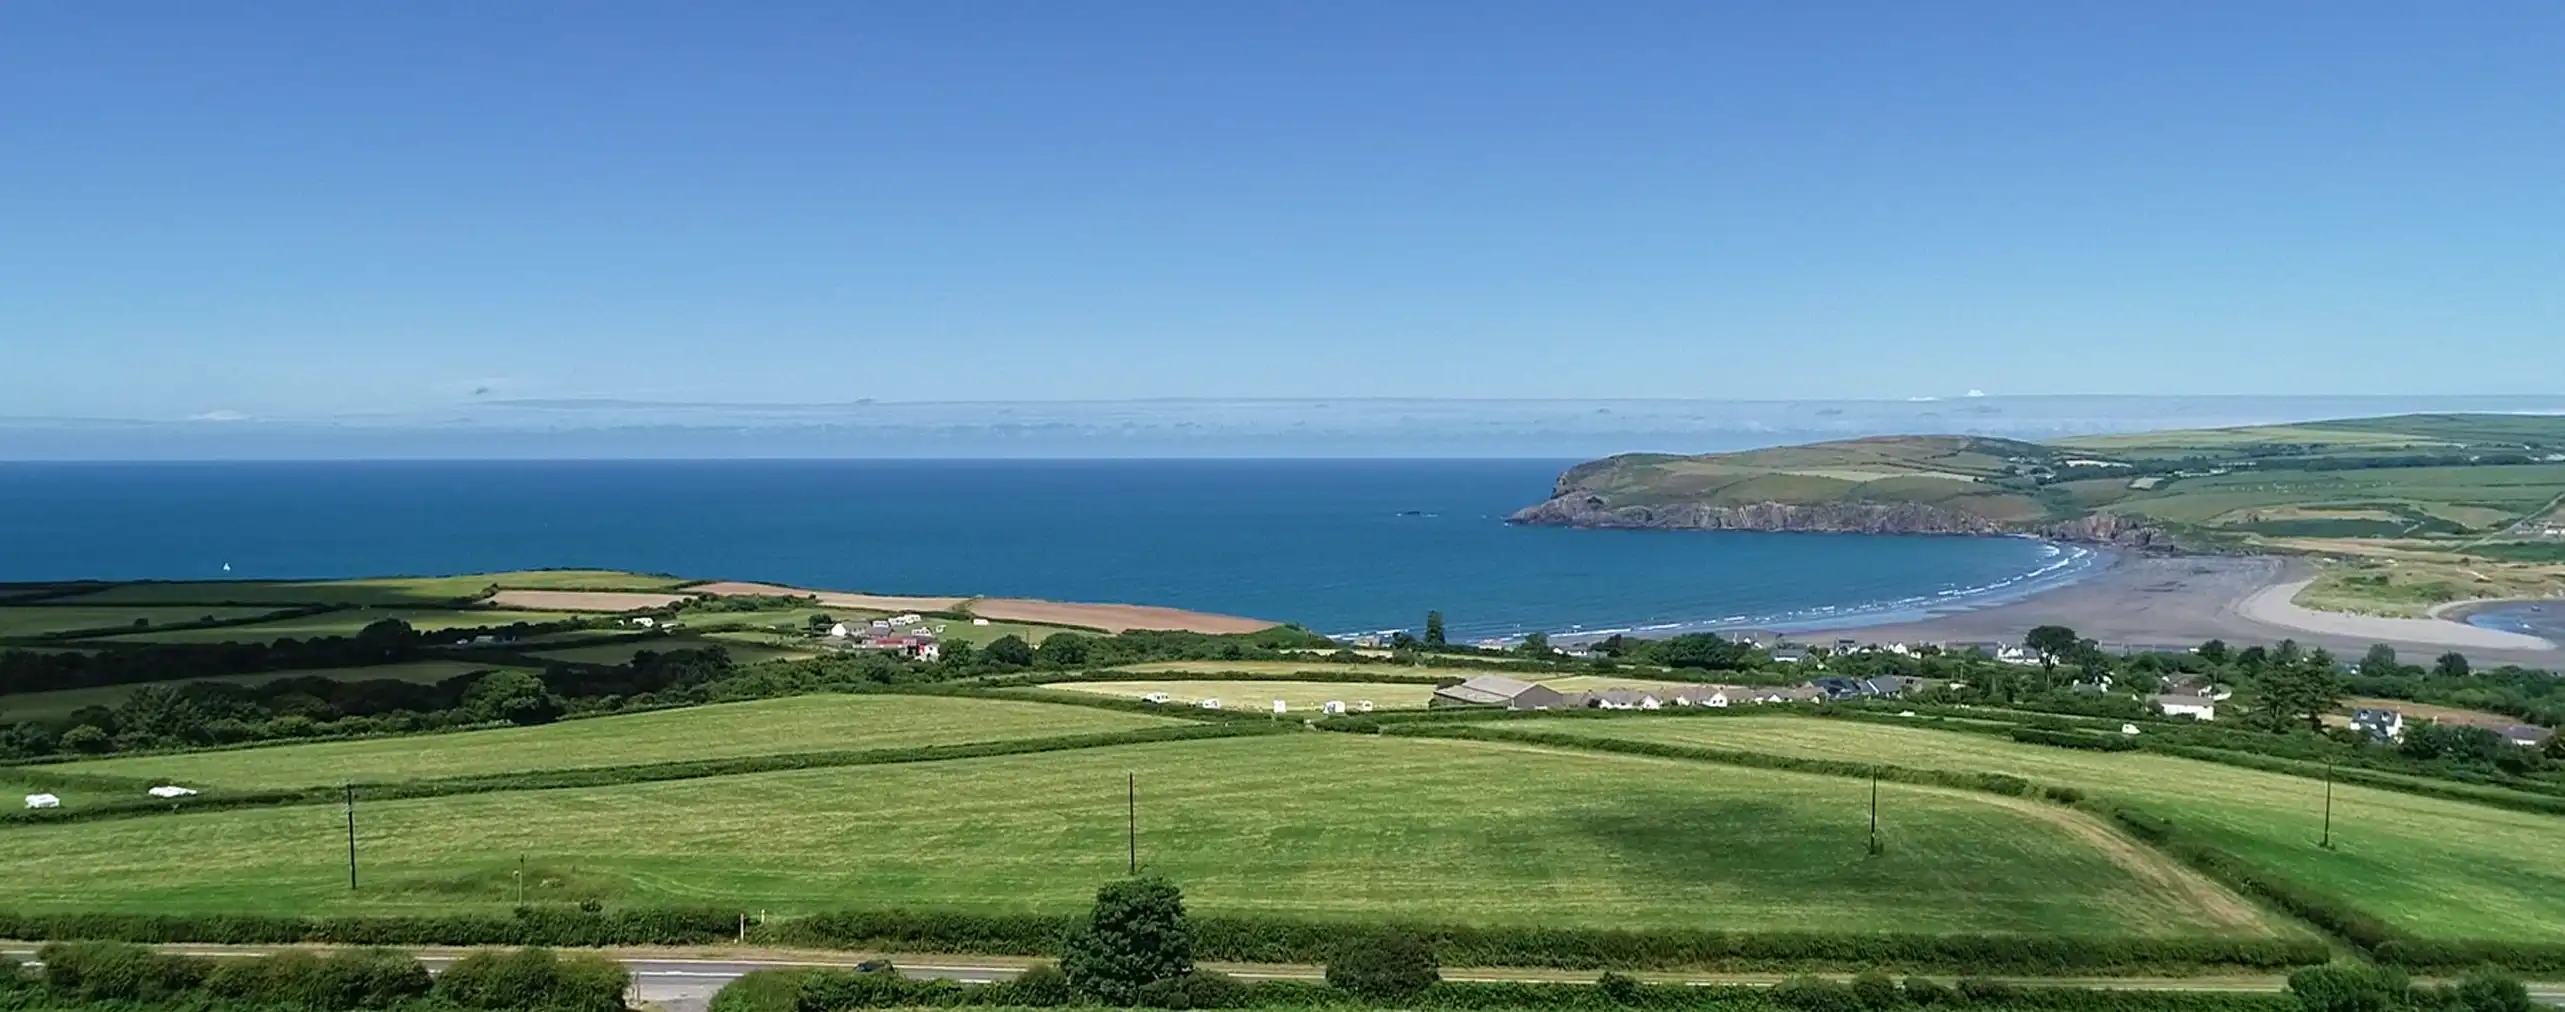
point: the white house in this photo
(2379, 724)
(2199, 707)
(838, 631)
(43, 801)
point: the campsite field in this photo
(1303, 825)
(383, 592)
(766, 727)
(346, 623)
(61, 702)
(39, 620)
(2433, 867)
(1322, 668)
(1303, 698)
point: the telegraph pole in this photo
(1874, 810)
(351, 836)
(1131, 825)
(2328, 840)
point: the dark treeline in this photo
(532, 980)
(389, 641)
(188, 714)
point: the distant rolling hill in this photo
(2434, 481)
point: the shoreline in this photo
(2185, 600)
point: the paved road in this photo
(684, 981)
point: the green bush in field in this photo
(1815, 994)
(1873, 989)
(1926, 991)
(533, 978)
(116, 971)
(2492, 991)
(2343, 988)
(1136, 936)
(1193, 989)
(1383, 966)
(1041, 985)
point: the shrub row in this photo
(529, 926)
(1994, 783)
(1042, 987)
(1273, 940)
(98, 971)
(636, 773)
(2073, 739)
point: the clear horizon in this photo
(309, 210)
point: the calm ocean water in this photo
(1338, 546)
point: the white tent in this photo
(1332, 706)
(43, 801)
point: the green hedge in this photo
(2073, 739)
(1995, 783)
(525, 979)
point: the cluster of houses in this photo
(1332, 707)
(902, 635)
(2386, 725)
(1498, 691)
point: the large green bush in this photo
(1136, 936)
(1383, 966)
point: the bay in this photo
(1338, 546)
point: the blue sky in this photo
(309, 210)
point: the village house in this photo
(2379, 724)
(2197, 707)
(2525, 735)
(1498, 691)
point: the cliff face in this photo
(1574, 507)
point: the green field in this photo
(766, 727)
(382, 592)
(61, 702)
(1259, 696)
(345, 623)
(1301, 668)
(1304, 825)
(38, 620)
(2432, 867)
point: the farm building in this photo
(2379, 725)
(1498, 690)
(2526, 735)
(2199, 707)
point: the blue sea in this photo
(1338, 546)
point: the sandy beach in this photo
(2185, 600)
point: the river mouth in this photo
(2543, 619)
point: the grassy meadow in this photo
(346, 623)
(1259, 696)
(389, 592)
(2430, 866)
(765, 727)
(61, 702)
(1302, 825)
(43, 619)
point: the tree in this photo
(1383, 966)
(87, 738)
(1434, 629)
(1062, 650)
(2493, 991)
(1536, 644)
(2287, 653)
(2295, 696)
(1135, 937)
(2342, 988)
(2051, 642)
(2451, 665)
(1010, 649)
(2253, 658)
(2380, 662)
(512, 696)
(2213, 651)
(820, 622)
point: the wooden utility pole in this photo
(351, 836)
(1131, 825)
(1874, 810)
(2328, 840)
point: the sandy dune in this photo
(2276, 605)
(831, 598)
(584, 600)
(1112, 617)
(1108, 617)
